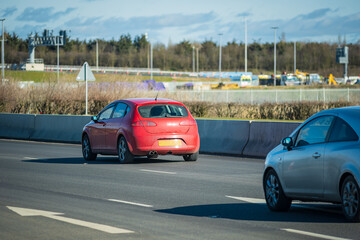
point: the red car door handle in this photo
(316, 155)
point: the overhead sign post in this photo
(342, 56)
(86, 75)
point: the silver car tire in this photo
(124, 154)
(274, 194)
(86, 149)
(350, 197)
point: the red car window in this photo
(162, 111)
(120, 110)
(106, 113)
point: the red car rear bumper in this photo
(165, 144)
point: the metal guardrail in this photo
(36, 60)
(117, 70)
(94, 68)
(274, 96)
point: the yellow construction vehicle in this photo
(303, 76)
(224, 86)
(332, 80)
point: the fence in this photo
(262, 96)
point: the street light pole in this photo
(275, 54)
(197, 60)
(57, 50)
(151, 63)
(97, 55)
(147, 50)
(193, 47)
(220, 34)
(245, 45)
(2, 52)
(294, 57)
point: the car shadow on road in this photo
(99, 160)
(260, 212)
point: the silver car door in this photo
(303, 165)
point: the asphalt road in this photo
(216, 197)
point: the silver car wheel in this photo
(350, 199)
(272, 190)
(122, 150)
(86, 147)
(275, 197)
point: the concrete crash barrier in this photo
(223, 136)
(62, 128)
(16, 126)
(264, 136)
(216, 136)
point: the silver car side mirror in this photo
(94, 118)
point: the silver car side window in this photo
(342, 132)
(314, 131)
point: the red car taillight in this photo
(143, 123)
(188, 122)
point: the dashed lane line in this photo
(131, 203)
(249, 200)
(155, 171)
(310, 234)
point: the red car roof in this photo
(139, 101)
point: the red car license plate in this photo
(169, 143)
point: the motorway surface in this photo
(47, 191)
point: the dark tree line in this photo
(134, 52)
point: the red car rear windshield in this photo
(162, 111)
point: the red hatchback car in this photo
(142, 127)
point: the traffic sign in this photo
(85, 73)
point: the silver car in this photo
(319, 161)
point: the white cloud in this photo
(42, 15)
(8, 11)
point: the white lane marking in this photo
(26, 212)
(249, 200)
(131, 203)
(154, 171)
(30, 158)
(317, 235)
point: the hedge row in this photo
(274, 111)
(280, 111)
(69, 100)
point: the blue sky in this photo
(196, 20)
